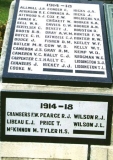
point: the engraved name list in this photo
(58, 39)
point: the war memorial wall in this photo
(67, 119)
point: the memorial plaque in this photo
(56, 117)
(58, 43)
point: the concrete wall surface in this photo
(50, 151)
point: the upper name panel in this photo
(58, 41)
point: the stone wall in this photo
(50, 151)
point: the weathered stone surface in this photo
(44, 150)
(98, 153)
(6, 37)
(112, 134)
(109, 22)
(110, 153)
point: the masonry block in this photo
(44, 150)
(110, 153)
(98, 153)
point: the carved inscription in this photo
(56, 118)
(59, 39)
